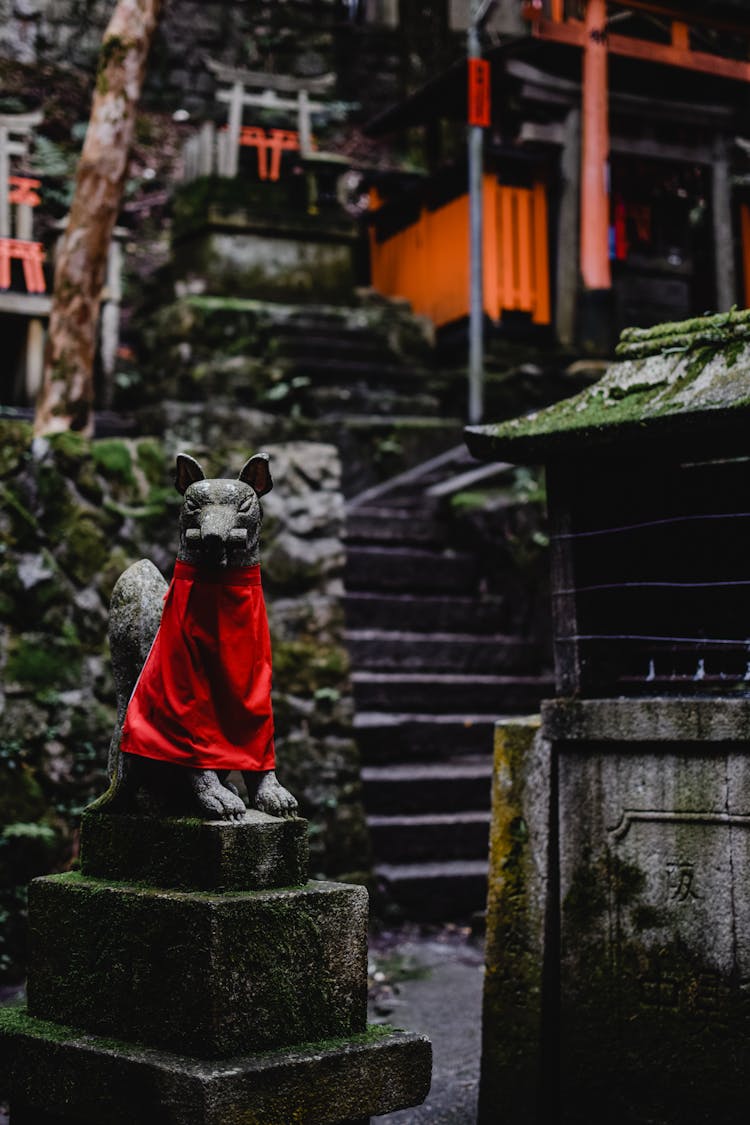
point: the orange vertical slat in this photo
(745, 222)
(506, 244)
(541, 306)
(680, 35)
(490, 189)
(523, 249)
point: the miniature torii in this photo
(15, 129)
(269, 90)
(18, 198)
(16, 239)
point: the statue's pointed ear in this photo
(257, 473)
(187, 472)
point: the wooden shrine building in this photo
(616, 184)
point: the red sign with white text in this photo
(479, 92)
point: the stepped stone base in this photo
(210, 974)
(61, 1075)
(241, 1004)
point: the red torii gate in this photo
(22, 192)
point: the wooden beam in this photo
(259, 79)
(573, 33)
(653, 149)
(697, 18)
(700, 61)
(21, 122)
(594, 227)
(25, 304)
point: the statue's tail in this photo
(134, 615)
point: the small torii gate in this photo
(19, 195)
(18, 198)
(208, 151)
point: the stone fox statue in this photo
(192, 662)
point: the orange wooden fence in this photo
(745, 224)
(428, 262)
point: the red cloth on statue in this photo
(203, 698)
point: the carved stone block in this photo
(198, 972)
(256, 853)
(55, 1074)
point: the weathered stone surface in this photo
(647, 720)
(684, 378)
(256, 853)
(296, 267)
(655, 932)
(235, 972)
(516, 922)
(82, 1078)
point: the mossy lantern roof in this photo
(679, 386)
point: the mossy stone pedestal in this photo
(190, 974)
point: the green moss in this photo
(113, 52)
(69, 447)
(21, 796)
(598, 885)
(152, 461)
(43, 662)
(55, 496)
(15, 441)
(23, 521)
(85, 548)
(305, 667)
(112, 459)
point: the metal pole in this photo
(476, 310)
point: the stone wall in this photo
(73, 515)
(299, 37)
(303, 37)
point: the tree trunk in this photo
(66, 398)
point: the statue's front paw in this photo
(271, 797)
(214, 800)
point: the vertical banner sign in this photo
(479, 92)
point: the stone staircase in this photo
(435, 662)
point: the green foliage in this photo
(29, 831)
(528, 486)
(305, 667)
(15, 441)
(152, 461)
(469, 501)
(112, 459)
(42, 662)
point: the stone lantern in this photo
(620, 873)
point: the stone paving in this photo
(432, 983)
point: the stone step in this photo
(443, 693)
(439, 787)
(406, 611)
(385, 737)
(409, 568)
(362, 399)
(430, 836)
(454, 889)
(400, 651)
(356, 345)
(325, 369)
(395, 336)
(383, 525)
